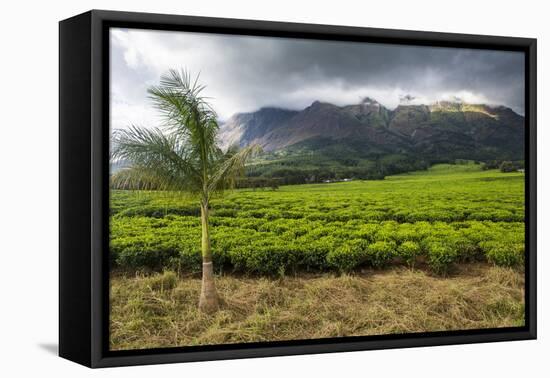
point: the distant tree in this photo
(183, 157)
(507, 166)
(492, 164)
(274, 184)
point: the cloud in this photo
(244, 73)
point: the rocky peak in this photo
(369, 101)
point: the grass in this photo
(267, 298)
(160, 310)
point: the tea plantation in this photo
(433, 218)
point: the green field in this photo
(437, 218)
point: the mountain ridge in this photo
(450, 129)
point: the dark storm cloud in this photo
(418, 69)
(245, 73)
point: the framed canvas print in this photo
(233, 188)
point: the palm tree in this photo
(183, 157)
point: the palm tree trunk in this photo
(208, 301)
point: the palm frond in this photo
(184, 155)
(155, 152)
(140, 178)
(232, 167)
(186, 112)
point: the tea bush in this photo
(440, 256)
(348, 256)
(504, 254)
(409, 251)
(380, 253)
(443, 216)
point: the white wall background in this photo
(28, 200)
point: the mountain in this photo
(246, 128)
(368, 137)
(445, 128)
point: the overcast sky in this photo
(245, 73)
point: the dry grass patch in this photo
(161, 310)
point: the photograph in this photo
(272, 189)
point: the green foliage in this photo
(266, 258)
(316, 252)
(409, 251)
(448, 214)
(381, 252)
(440, 256)
(317, 160)
(348, 256)
(184, 155)
(509, 166)
(504, 254)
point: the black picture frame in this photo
(83, 181)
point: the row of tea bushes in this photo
(444, 195)
(370, 214)
(261, 246)
(444, 215)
